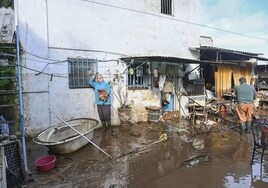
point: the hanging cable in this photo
(47, 65)
(176, 19)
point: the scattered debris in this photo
(181, 130)
(170, 115)
(163, 137)
(197, 143)
(116, 186)
(193, 162)
(135, 134)
(196, 160)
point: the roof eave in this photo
(169, 59)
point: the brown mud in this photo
(201, 155)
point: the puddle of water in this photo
(171, 163)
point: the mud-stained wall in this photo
(142, 99)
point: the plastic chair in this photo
(259, 147)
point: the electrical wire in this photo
(47, 65)
(39, 56)
(51, 75)
(175, 19)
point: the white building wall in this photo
(100, 29)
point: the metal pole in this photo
(84, 137)
(21, 102)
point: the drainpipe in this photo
(20, 100)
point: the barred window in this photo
(79, 70)
(166, 7)
(139, 75)
(7, 4)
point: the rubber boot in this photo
(103, 123)
(248, 126)
(110, 127)
(242, 127)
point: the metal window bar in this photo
(162, 6)
(7, 3)
(138, 80)
(78, 72)
(84, 64)
(171, 6)
(166, 7)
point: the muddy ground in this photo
(193, 156)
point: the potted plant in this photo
(121, 94)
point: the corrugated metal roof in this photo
(224, 50)
(212, 48)
(166, 59)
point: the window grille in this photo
(139, 75)
(7, 4)
(79, 71)
(166, 7)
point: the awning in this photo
(177, 60)
(224, 50)
(168, 59)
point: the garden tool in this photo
(162, 138)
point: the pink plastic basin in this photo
(45, 163)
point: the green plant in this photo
(8, 85)
(6, 72)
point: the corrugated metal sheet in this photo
(223, 50)
(212, 48)
(175, 60)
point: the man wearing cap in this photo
(246, 94)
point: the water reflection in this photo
(117, 173)
(117, 177)
(243, 174)
(178, 162)
(231, 181)
(157, 162)
(259, 175)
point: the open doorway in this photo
(223, 78)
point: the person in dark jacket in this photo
(102, 92)
(246, 94)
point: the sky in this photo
(245, 23)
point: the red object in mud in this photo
(264, 135)
(45, 163)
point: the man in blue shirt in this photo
(246, 94)
(102, 92)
